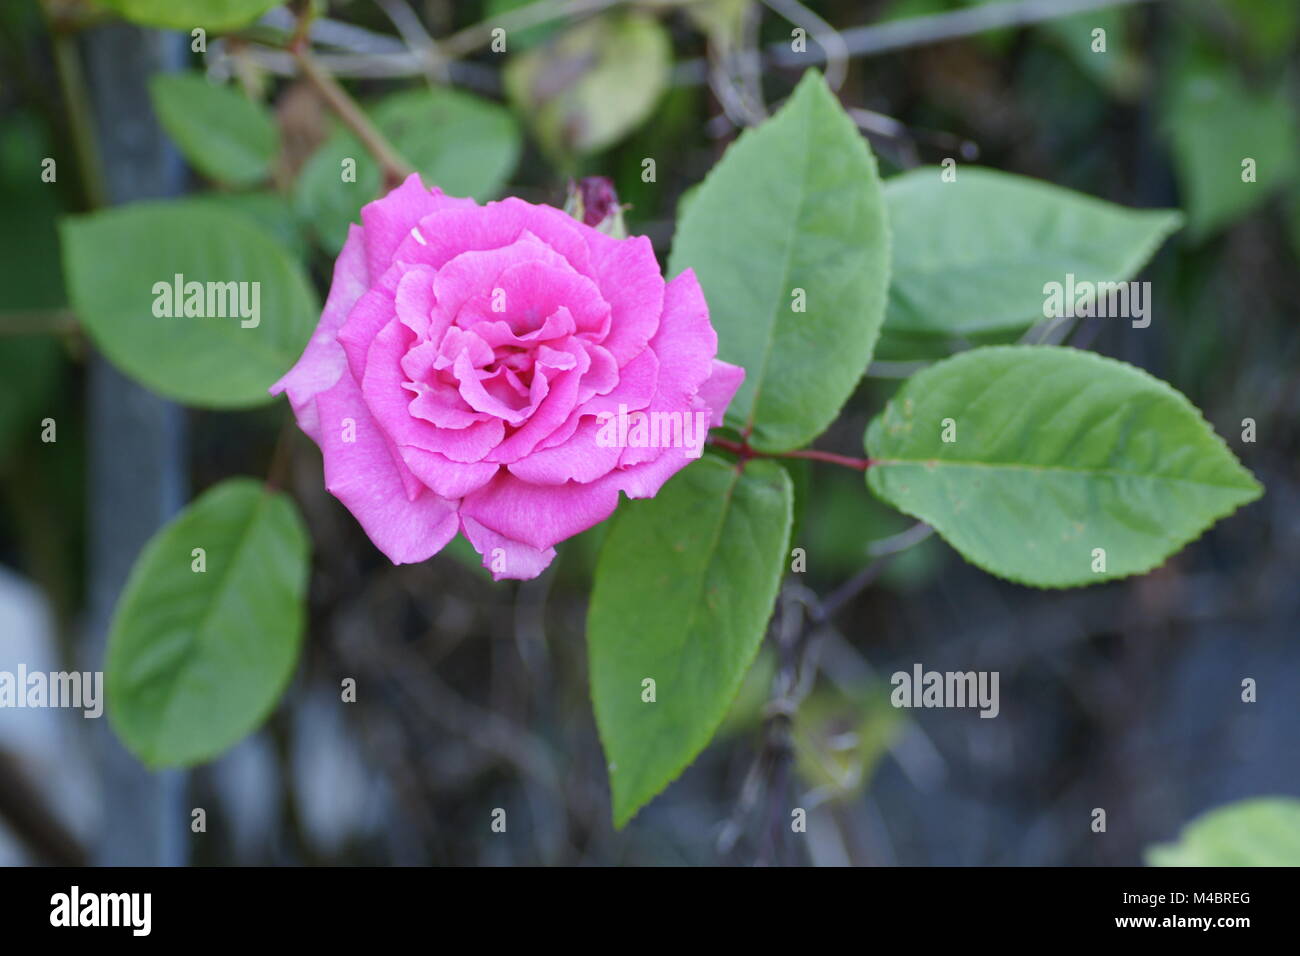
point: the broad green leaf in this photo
(971, 256)
(1216, 124)
(224, 134)
(197, 659)
(188, 14)
(271, 211)
(464, 145)
(593, 84)
(122, 264)
(683, 592)
(1264, 831)
(1056, 453)
(791, 215)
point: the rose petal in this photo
(720, 388)
(583, 458)
(388, 222)
(444, 477)
(389, 401)
(628, 277)
(471, 273)
(440, 404)
(685, 344)
(542, 515)
(530, 292)
(516, 559)
(450, 232)
(365, 477)
(323, 359)
(497, 333)
(369, 315)
(414, 302)
(548, 413)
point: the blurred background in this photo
(473, 695)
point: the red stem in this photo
(745, 452)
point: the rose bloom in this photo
(467, 360)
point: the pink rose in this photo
(476, 369)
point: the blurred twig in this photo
(834, 50)
(901, 541)
(375, 55)
(535, 14)
(395, 168)
(23, 322)
(878, 38)
(416, 37)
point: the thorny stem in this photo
(745, 452)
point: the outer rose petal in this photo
(520, 561)
(542, 515)
(685, 345)
(720, 388)
(323, 360)
(371, 313)
(388, 221)
(449, 232)
(627, 275)
(363, 475)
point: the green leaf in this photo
(793, 207)
(971, 256)
(1216, 123)
(464, 145)
(224, 134)
(269, 210)
(683, 592)
(188, 14)
(1057, 452)
(1263, 831)
(114, 259)
(196, 660)
(593, 84)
